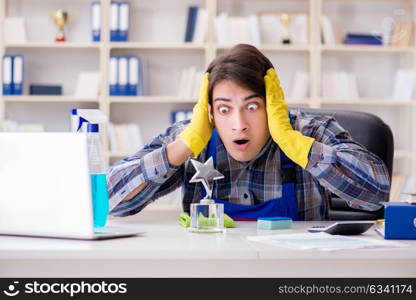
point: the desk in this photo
(168, 250)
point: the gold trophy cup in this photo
(286, 20)
(60, 18)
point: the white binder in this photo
(7, 74)
(122, 75)
(123, 21)
(114, 22)
(96, 21)
(133, 80)
(18, 75)
(114, 76)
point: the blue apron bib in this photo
(285, 206)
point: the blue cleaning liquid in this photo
(99, 199)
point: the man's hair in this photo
(243, 64)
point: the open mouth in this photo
(241, 142)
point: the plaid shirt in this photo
(337, 165)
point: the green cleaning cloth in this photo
(185, 220)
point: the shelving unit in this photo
(156, 34)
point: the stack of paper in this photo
(190, 83)
(256, 29)
(322, 241)
(339, 85)
(125, 137)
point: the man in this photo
(274, 163)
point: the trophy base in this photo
(286, 41)
(207, 217)
(60, 37)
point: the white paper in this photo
(322, 241)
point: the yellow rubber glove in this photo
(197, 134)
(295, 145)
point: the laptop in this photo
(45, 187)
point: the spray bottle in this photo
(88, 120)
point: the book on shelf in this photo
(96, 21)
(363, 39)
(12, 74)
(119, 21)
(127, 76)
(239, 29)
(181, 115)
(43, 89)
(196, 25)
(404, 83)
(189, 83)
(402, 34)
(339, 85)
(190, 23)
(126, 138)
(261, 28)
(330, 31)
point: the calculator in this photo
(344, 228)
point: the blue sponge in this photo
(274, 223)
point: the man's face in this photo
(241, 120)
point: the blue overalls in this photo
(285, 206)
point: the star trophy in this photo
(60, 18)
(286, 20)
(206, 216)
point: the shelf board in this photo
(151, 99)
(367, 48)
(366, 101)
(54, 45)
(162, 46)
(46, 98)
(273, 47)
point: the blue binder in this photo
(191, 23)
(123, 31)
(133, 78)
(123, 67)
(7, 74)
(114, 91)
(96, 21)
(17, 84)
(114, 22)
(180, 115)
